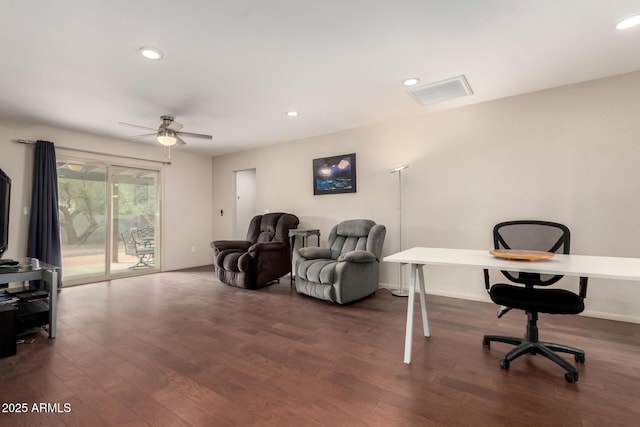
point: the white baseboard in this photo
(611, 316)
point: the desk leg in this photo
(415, 269)
(423, 301)
(409, 327)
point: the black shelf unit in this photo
(31, 314)
(7, 330)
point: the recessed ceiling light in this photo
(150, 53)
(411, 82)
(292, 113)
(628, 23)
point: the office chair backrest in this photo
(532, 235)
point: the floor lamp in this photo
(400, 292)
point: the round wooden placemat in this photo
(521, 255)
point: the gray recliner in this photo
(348, 269)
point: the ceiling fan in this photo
(168, 133)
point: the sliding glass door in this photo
(82, 204)
(109, 216)
(135, 214)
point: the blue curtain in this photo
(44, 225)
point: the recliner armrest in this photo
(223, 245)
(219, 260)
(315, 253)
(357, 257)
(267, 246)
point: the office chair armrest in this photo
(583, 287)
(357, 257)
(487, 283)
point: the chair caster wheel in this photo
(579, 358)
(486, 342)
(504, 363)
(571, 377)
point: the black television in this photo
(5, 198)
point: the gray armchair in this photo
(348, 269)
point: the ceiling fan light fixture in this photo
(167, 137)
(150, 53)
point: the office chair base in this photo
(547, 349)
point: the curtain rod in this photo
(31, 142)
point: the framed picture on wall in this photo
(333, 175)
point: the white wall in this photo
(187, 211)
(245, 201)
(568, 154)
(186, 188)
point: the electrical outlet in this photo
(193, 249)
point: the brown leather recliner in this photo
(264, 257)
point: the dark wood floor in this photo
(180, 349)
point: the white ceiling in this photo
(234, 68)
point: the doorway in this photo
(245, 201)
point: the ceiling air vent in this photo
(441, 91)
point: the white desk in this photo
(568, 265)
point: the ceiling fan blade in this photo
(196, 135)
(137, 126)
(175, 126)
(145, 135)
(180, 141)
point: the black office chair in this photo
(539, 236)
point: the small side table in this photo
(305, 233)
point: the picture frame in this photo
(335, 174)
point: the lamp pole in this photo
(400, 292)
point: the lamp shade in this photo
(398, 168)
(167, 137)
